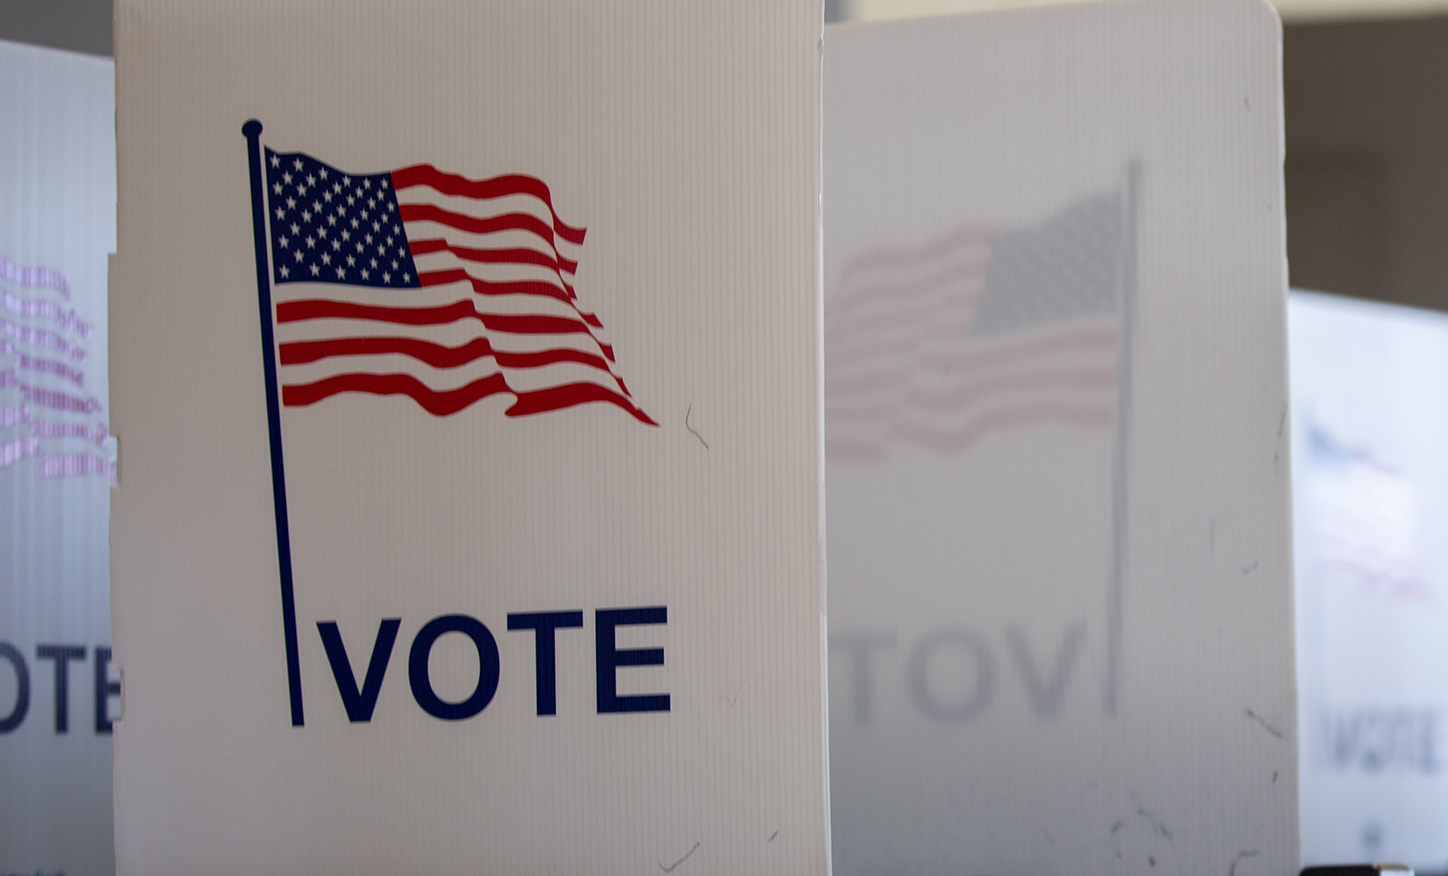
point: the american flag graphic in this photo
(1364, 520)
(978, 331)
(46, 410)
(427, 284)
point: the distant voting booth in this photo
(1061, 617)
(1370, 500)
(467, 361)
(59, 693)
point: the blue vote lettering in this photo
(359, 701)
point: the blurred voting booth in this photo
(58, 691)
(1057, 450)
(1370, 498)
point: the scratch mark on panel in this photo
(1277, 454)
(1265, 726)
(670, 868)
(771, 838)
(1116, 839)
(1241, 856)
(691, 428)
(1158, 826)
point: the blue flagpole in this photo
(252, 131)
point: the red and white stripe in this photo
(903, 367)
(45, 411)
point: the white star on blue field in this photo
(333, 227)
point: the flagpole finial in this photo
(251, 129)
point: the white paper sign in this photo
(495, 543)
(57, 691)
(1060, 582)
(1370, 501)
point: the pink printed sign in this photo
(46, 412)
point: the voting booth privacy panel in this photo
(1370, 499)
(467, 367)
(58, 693)
(1057, 448)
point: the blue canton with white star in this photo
(333, 227)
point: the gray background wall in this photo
(75, 25)
(1367, 159)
